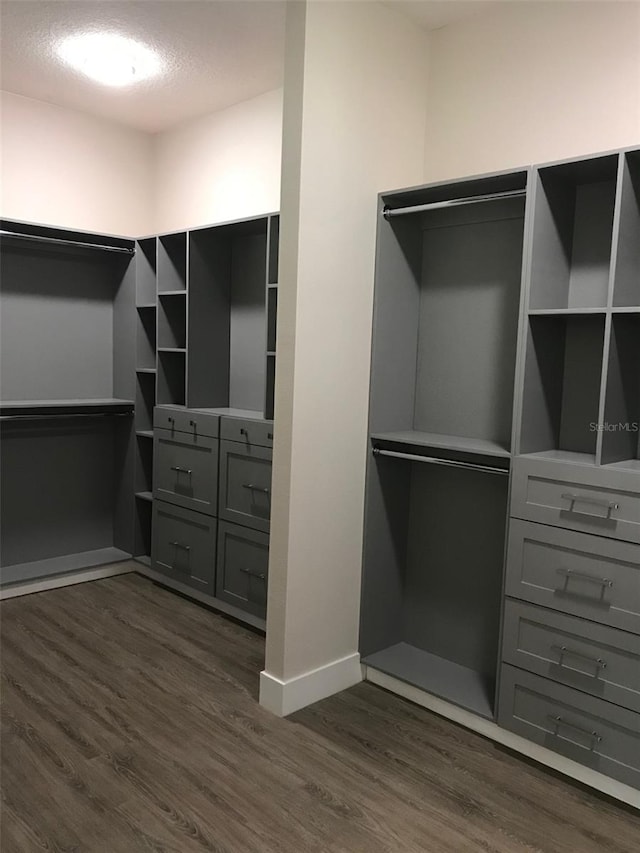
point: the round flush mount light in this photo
(110, 59)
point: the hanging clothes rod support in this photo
(388, 212)
(432, 460)
(59, 241)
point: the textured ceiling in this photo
(216, 53)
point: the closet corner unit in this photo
(504, 420)
(66, 362)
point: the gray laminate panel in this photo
(243, 568)
(247, 430)
(247, 332)
(179, 419)
(245, 484)
(540, 556)
(584, 728)
(468, 322)
(58, 487)
(592, 658)
(455, 556)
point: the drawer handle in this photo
(180, 545)
(194, 425)
(558, 721)
(270, 436)
(259, 575)
(253, 488)
(582, 499)
(244, 432)
(171, 420)
(583, 576)
(180, 470)
(598, 663)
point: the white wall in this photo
(62, 167)
(530, 83)
(223, 166)
(354, 120)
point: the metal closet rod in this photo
(449, 463)
(17, 236)
(451, 202)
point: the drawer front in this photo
(583, 575)
(596, 659)
(588, 730)
(243, 568)
(185, 470)
(184, 420)
(184, 546)
(591, 500)
(245, 484)
(247, 431)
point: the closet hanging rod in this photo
(58, 240)
(432, 460)
(53, 417)
(452, 202)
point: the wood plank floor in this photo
(130, 723)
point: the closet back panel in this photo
(627, 279)
(57, 325)
(247, 331)
(455, 554)
(51, 472)
(468, 323)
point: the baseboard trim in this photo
(63, 580)
(283, 697)
(610, 787)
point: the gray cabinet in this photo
(245, 484)
(184, 546)
(243, 568)
(186, 468)
(504, 418)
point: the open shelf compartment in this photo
(171, 378)
(626, 292)
(561, 398)
(432, 578)
(172, 322)
(172, 262)
(573, 233)
(621, 428)
(146, 271)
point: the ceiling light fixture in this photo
(110, 59)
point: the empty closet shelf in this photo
(58, 408)
(439, 441)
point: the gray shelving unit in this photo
(206, 305)
(505, 419)
(68, 385)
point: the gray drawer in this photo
(247, 431)
(598, 660)
(243, 568)
(185, 470)
(245, 484)
(590, 731)
(184, 420)
(184, 546)
(584, 575)
(591, 500)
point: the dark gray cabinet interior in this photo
(504, 420)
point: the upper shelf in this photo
(455, 443)
(50, 408)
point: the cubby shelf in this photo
(172, 349)
(564, 312)
(147, 306)
(144, 433)
(151, 370)
(144, 496)
(437, 441)
(163, 294)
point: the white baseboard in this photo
(58, 581)
(602, 783)
(284, 697)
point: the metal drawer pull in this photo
(583, 576)
(597, 662)
(171, 420)
(573, 499)
(194, 425)
(256, 488)
(244, 432)
(181, 470)
(558, 721)
(180, 545)
(259, 575)
(270, 436)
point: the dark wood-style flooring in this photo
(130, 723)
